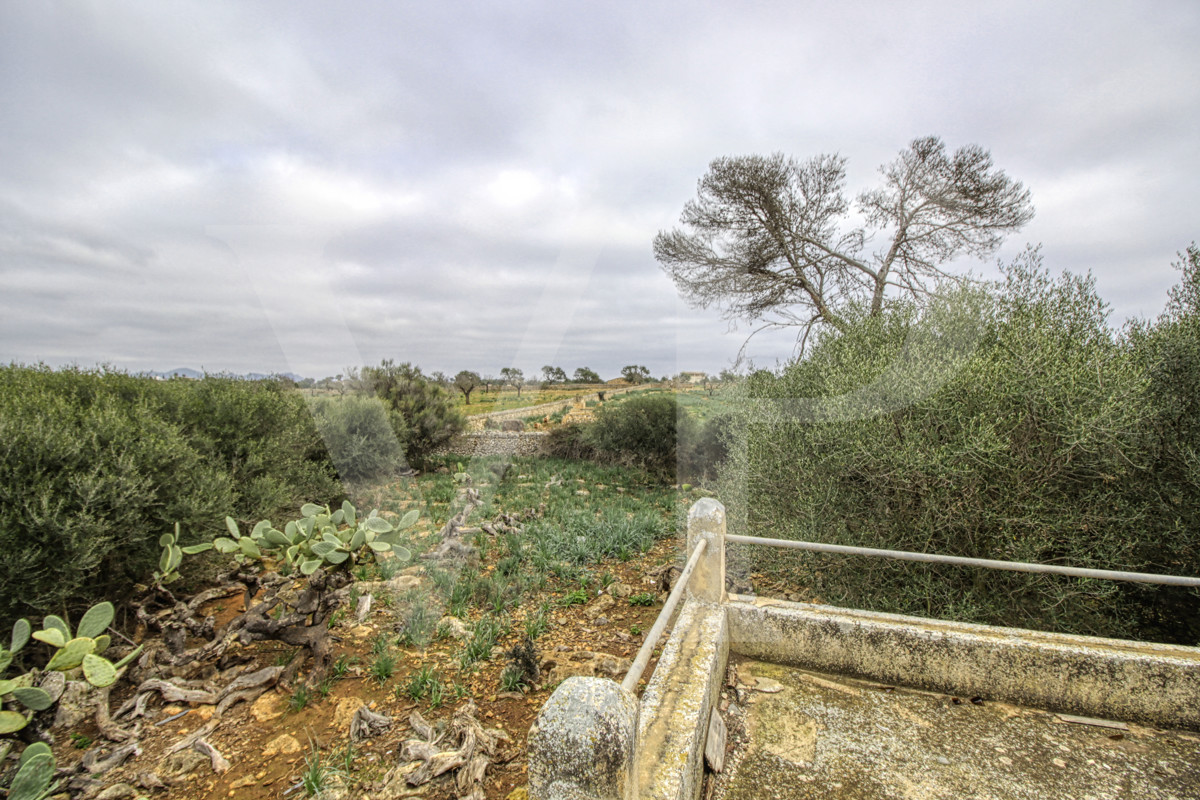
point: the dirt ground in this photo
(270, 744)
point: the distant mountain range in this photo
(188, 372)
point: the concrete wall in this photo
(1128, 681)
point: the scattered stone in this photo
(266, 708)
(242, 783)
(344, 712)
(285, 744)
(1058, 762)
(118, 791)
(599, 606)
(945, 762)
(584, 663)
(601, 620)
(768, 685)
(455, 627)
(179, 764)
(621, 590)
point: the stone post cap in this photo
(582, 743)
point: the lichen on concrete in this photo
(582, 743)
(836, 738)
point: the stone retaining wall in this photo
(497, 443)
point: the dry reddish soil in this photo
(268, 745)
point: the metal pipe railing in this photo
(643, 657)
(933, 558)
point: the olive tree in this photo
(771, 239)
(466, 382)
(586, 375)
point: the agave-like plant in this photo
(320, 537)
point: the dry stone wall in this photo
(497, 443)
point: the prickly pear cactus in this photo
(35, 775)
(320, 538)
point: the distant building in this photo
(692, 377)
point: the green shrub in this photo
(362, 436)
(430, 416)
(97, 465)
(641, 431)
(1008, 424)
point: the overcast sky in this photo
(300, 186)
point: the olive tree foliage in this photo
(1054, 439)
(513, 377)
(586, 375)
(466, 382)
(771, 239)
(635, 373)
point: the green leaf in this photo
(336, 556)
(402, 553)
(102, 643)
(378, 525)
(71, 654)
(357, 540)
(260, 529)
(306, 525)
(192, 549)
(33, 779)
(55, 621)
(291, 530)
(290, 554)
(6, 658)
(51, 636)
(249, 548)
(166, 540)
(332, 538)
(97, 619)
(348, 513)
(232, 525)
(130, 657)
(310, 510)
(33, 698)
(225, 544)
(338, 517)
(99, 671)
(309, 567)
(11, 722)
(409, 519)
(6, 686)
(20, 634)
(379, 547)
(276, 538)
(172, 558)
(323, 548)
(32, 750)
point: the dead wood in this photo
(366, 723)
(219, 762)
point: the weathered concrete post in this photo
(706, 520)
(582, 743)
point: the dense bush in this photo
(653, 432)
(361, 436)
(1010, 424)
(641, 430)
(430, 418)
(95, 466)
